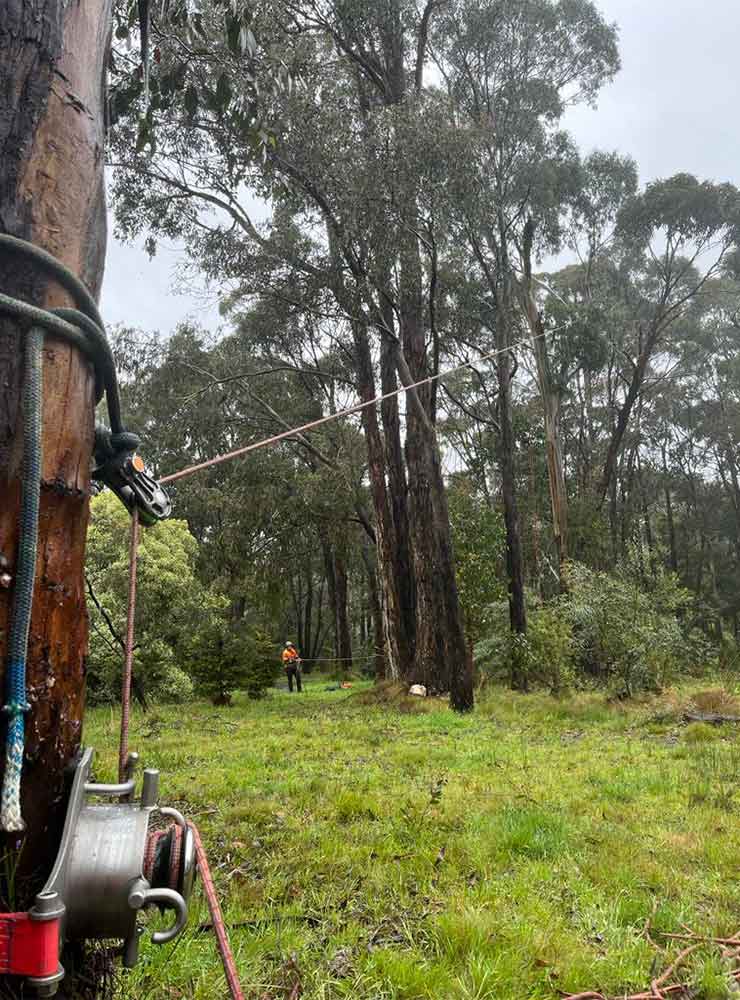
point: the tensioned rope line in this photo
(357, 408)
(128, 660)
(264, 443)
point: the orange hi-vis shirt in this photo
(289, 656)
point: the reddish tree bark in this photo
(52, 98)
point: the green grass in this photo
(393, 855)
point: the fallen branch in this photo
(712, 718)
(659, 991)
(733, 941)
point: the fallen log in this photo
(711, 718)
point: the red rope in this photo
(284, 435)
(133, 549)
(214, 908)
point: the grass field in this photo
(535, 848)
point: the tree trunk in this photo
(396, 640)
(514, 558)
(673, 552)
(625, 411)
(52, 71)
(440, 654)
(550, 397)
(336, 579)
(398, 490)
(341, 617)
(376, 614)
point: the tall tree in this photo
(343, 160)
(511, 69)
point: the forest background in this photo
(379, 192)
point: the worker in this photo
(292, 664)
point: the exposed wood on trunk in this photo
(398, 494)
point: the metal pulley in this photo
(119, 468)
(111, 864)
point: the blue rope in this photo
(11, 819)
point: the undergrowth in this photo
(374, 847)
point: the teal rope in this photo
(15, 706)
(82, 327)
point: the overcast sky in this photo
(673, 107)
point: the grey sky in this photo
(673, 107)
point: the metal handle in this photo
(141, 896)
(125, 788)
(177, 816)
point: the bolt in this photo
(5, 580)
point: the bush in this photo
(626, 637)
(227, 658)
(605, 630)
(171, 604)
(545, 656)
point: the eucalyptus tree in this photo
(345, 160)
(674, 238)
(52, 79)
(511, 69)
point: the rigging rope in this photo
(128, 662)
(357, 408)
(214, 908)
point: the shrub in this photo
(171, 604)
(605, 630)
(226, 658)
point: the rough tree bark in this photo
(52, 97)
(440, 653)
(397, 642)
(376, 613)
(514, 558)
